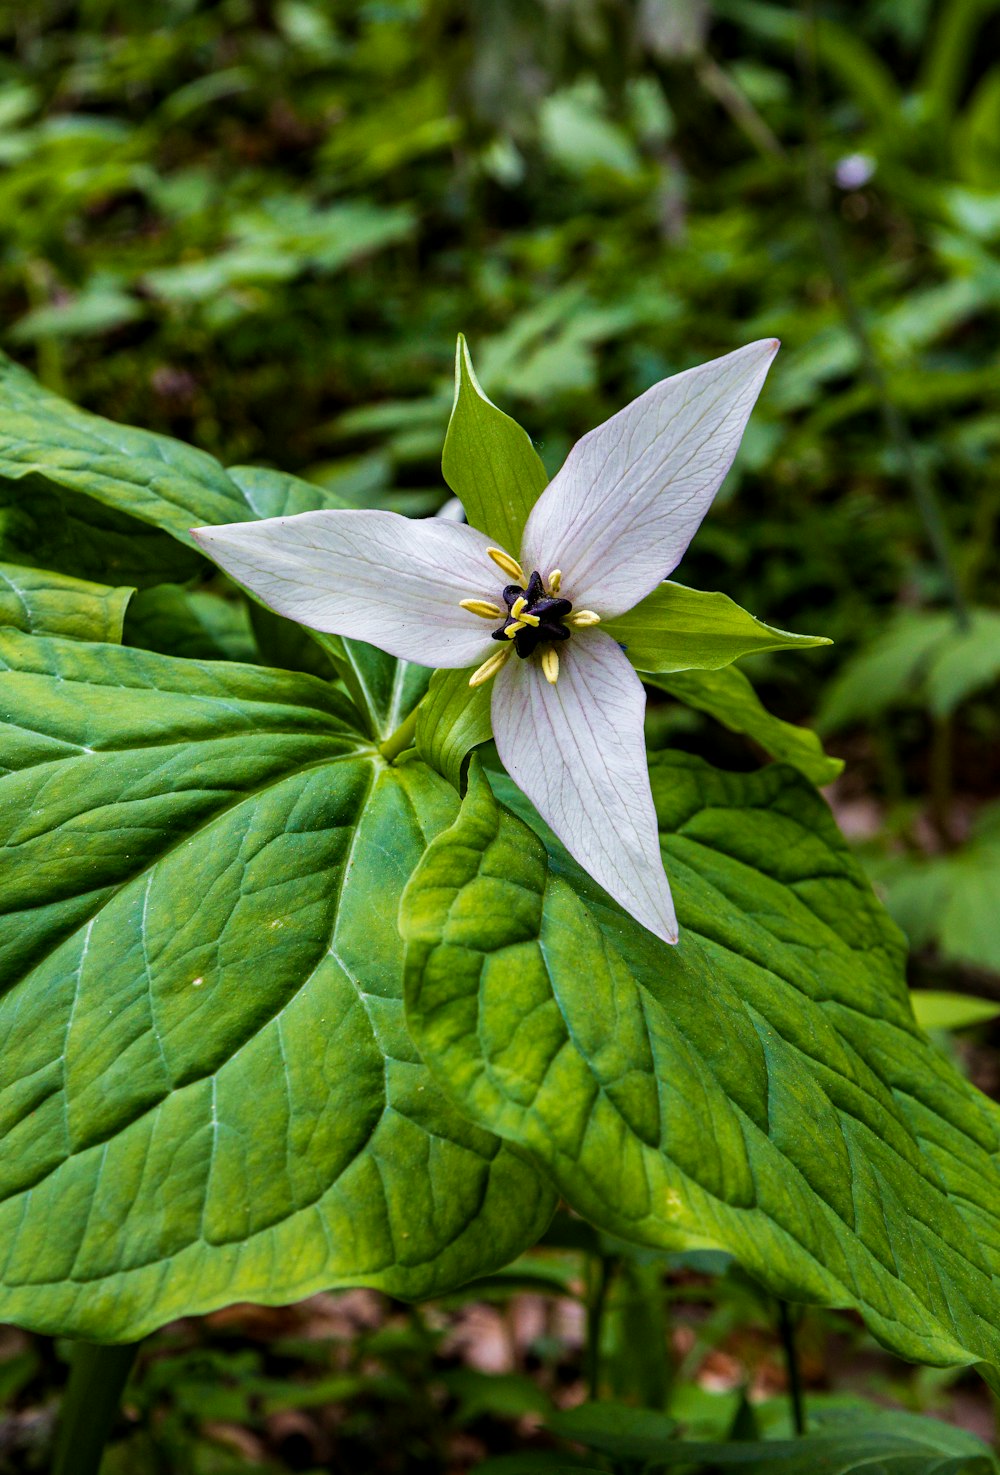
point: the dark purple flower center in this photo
(550, 613)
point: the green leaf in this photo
(882, 1440)
(968, 661)
(952, 900)
(197, 623)
(923, 655)
(208, 1091)
(762, 1088)
(489, 461)
(48, 527)
(680, 629)
(99, 308)
(885, 671)
(728, 696)
(615, 1429)
(42, 603)
(935, 1009)
(385, 690)
(161, 481)
(454, 719)
(271, 493)
(174, 486)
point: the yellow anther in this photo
(490, 666)
(482, 607)
(550, 664)
(581, 618)
(509, 565)
(555, 580)
(518, 606)
(512, 630)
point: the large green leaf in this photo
(728, 696)
(42, 603)
(152, 477)
(208, 1092)
(384, 689)
(46, 526)
(680, 629)
(201, 623)
(489, 461)
(761, 1088)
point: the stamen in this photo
(550, 664)
(509, 565)
(483, 608)
(555, 580)
(490, 666)
(582, 618)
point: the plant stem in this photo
(97, 1377)
(595, 1322)
(896, 429)
(739, 107)
(398, 741)
(786, 1330)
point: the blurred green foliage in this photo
(259, 226)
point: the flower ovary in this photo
(534, 617)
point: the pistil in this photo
(537, 619)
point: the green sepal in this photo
(681, 629)
(454, 718)
(728, 696)
(761, 1088)
(39, 602)
(489, 461)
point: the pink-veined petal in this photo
(376, 576)
(618, 516)
(576, 749)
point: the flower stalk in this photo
(402, 738)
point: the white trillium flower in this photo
(567, 706)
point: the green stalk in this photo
(596, 1304)
(786, 1330)
(97, 1378)
(397, 742)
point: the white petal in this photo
(451, 511)
(576, 749)
(376, 576)
(632, 493)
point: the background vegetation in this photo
(259, 227)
